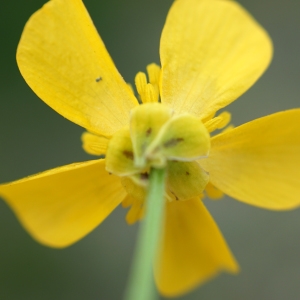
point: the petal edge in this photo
(211, 53)
(259, 162)
(62, 205)
(64, 61)
(193, 250)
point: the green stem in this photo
(141, 283)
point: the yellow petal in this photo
(259, 162)
(94, 144)
(64, 61)
(62, 205)
(186, 180)
(211, 53)
(193, 250)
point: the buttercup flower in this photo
(211, 52)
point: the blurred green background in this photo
(34, 138)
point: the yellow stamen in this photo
(154, 72)
(212, 192)
(94, 144)
(218, 122)
(148, 92)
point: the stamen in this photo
(154, 72)
(94, 144)
(140, 83)
(128, 201)
(148, 92)
(218, 122)
(135, 213)
(135, 199)
(212, 192)
(228, 128)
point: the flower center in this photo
(158, 138)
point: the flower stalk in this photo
(141, 283)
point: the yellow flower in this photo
(211, 52)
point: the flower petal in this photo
(62, 205)
(211, 53)
(259, 162)
(64, 61)
(193, 249)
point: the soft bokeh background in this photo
(34, 138)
